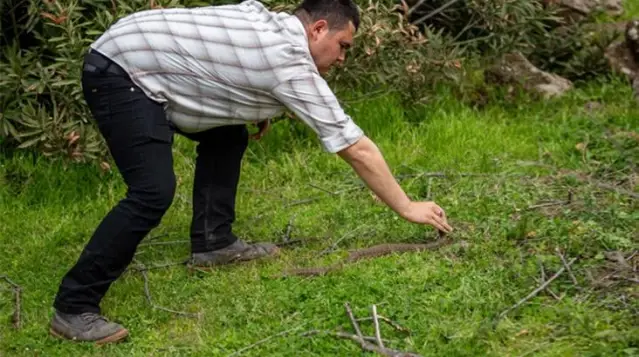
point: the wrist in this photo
(404, 208)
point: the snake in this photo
(369, 252)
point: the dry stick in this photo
(159, 266)
(435, 12)
(619, 190)
(549, 204)
(155, 306)
(296, 241)
(563, 261)
(392, 323)
(334, 245)
(634, 280)
(543, 280)
(536, 291)
(339, 334)
(289, 228)
(323, 189)
(458, 174)
(378, 335)
(143, 270)
(430, 181)
(416, 6)
(164, 243)
(244, 349)
(363, 341)
(15, 319)
(157, 236)
(347, 306)
(368, 346)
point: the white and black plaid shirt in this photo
(230, 64)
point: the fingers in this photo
(439, 223)
(263, 127)
(439, 218)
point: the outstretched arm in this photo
(368, 162)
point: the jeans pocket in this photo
(160, 130)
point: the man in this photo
(206, 73)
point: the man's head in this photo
(330, 27)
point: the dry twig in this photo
(17, 290)
(619, 277)
(289, 229)
(169, 242)
(534, 292)
(378, 334)
(339, 334)
(264, 340)
(434, 12)
(347, 306)
(364, 340)
(370, 252)
(543, 280)
(334, 245)
(619, 190)
(563, 261)
(390, 322)
(147, 293)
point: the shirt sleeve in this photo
(308, 95)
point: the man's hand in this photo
(427, 213)
(263, 128)
(368, 162)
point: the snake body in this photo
(370, 252)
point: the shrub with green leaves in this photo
(410, 50)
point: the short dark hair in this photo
(336, 12)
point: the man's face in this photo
(328, 46)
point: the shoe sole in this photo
(219, 263)
(116, 337)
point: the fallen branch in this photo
(334, 245)
(390, 322)
(378, 335)
(534, 292)
(543, 280)
(349, 312)
(264, 340)
(158, 266)
(416, 6)
(563, 261)
(434, 12)
(364, 341)
(617, 189)
(619, 277)
(370, 252)
(17, 290)
(147, 293)
(165, 242)
(568, 201)
(157, 236)
(339, 334)
(455, 174)
(289, 229)
(323, 189)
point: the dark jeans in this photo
(140, 139)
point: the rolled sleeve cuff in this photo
(349, 135)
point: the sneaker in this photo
(87, 326)
(236, 252)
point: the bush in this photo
(411, 51)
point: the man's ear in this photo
(318, 27)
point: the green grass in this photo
(447, 298)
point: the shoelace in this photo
(91, 317)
